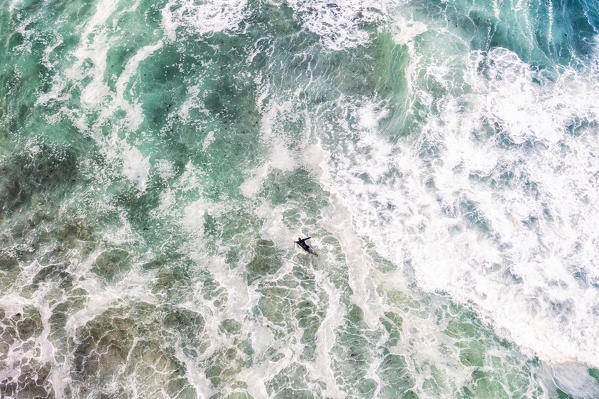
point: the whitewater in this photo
(158, 159)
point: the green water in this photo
(158, 159)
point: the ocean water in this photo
(158, 159)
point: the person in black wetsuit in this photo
(302, 243)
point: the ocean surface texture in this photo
(159, 157)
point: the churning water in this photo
(159, 157)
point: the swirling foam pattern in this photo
(159, 158)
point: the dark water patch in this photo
(310, 317)
(61, 312)
(397, 379)
(545, 34)
(49, 234)
(497, 370)
(365, 71)
(4, 18)
(112, 264)
(104, 344)
(235, 229)
(267, 260)
(29, 176)
(310, 312)
(152, 11)
(160, 261)
(16, 101)
(223, 366)
(189, 326)
(31, 59)
(507, 175)
(32, 382)
(8, 261)
(392, 322)
(228, 98)
(56, 273)
(138, 204)
(297, 187)
(75, 231)
(21, 326)
(290, 303)
(579, 126)
(124, 350)
(391, 63)
(174, 283)
(175, 279)
(162, 82)
(212, 290)
(277, 19)
(298, 59)
(294, 381)
(143, 27)
(353, 353)
(574, 26)
(230, 327)
(18, 348)
(223, 100)
(49, 237)
(563, 395)
(273, 306)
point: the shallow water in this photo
(159, 158)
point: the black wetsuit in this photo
(302, 243)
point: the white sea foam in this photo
(25, 46)
(509, 228)
(575, 379)
(202, 16)
(194, 375)
(338, 221)
(194, 213)
(14, 4)
(340, 23)
(136, 167)
(133, 108)
(208, 140)
(93, 47)
(89, 70)
(507, 225)
(325, 337)
(273, 227)
(550, 20)
(279, 157)
(252, 184)
(164, 168)
(406, 30)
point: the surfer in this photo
(302, 243)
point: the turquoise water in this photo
(159, 158)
